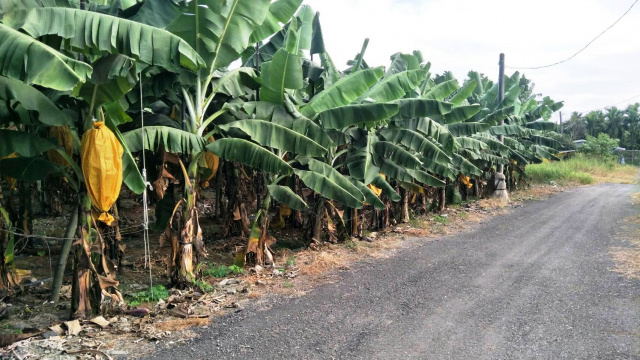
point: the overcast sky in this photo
(461, 35)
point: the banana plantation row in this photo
(241, 94)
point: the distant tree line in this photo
(621, 124)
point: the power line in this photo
(581, 50)
(631, 98)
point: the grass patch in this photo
(582, 170)
(159, 292)
(440, 219)
(221, 271)
(291, 261)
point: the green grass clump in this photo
(440, 219)
(159, 292)
(221, 271)
(557, 171)
(291, 261)
(581, 169)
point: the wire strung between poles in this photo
(579, 51)
(145, 206)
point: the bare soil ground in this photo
(172, 321)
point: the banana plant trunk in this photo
(5, 241)
(355, 224)
(84, 299)
(257, 250)
(443, 197)
(187, 241)
(62, 259)
(236, 219)
(405, 205)
(317, 223)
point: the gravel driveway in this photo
(533, 284)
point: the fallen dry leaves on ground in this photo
(175, 319)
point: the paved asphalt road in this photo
(534, 284)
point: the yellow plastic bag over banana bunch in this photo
(101, 155)
(465, 180)
(213, 161)
(63, 134)
(375, 189)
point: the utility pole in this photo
(499, 182)
(500, 99)
(560, 122)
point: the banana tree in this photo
(102, 63)
(219, 31)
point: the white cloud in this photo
(461, 35)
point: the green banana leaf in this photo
(312, 130)
(514, 144)
(113, 77)
(31, 99)
(413, 108)
(493, 143)
(467, 128)
(157, 13)
(33, 169)
(369, 195)
(541, 125)
(317, 40)
(345, 116)
(284, 71)
(424, 178)
(471, 143)
(393, 171)
(497, 116)
(286, 196)
(360, 162)
(250, 154)
(393, 87)
(442, 90)
(336, 177)
(131, 176)
(545, 141)
(509, 129)
(416, 142)
(399, 156)
(26, 59)
(343, 92)
(460, 114)
(328, 188)
(463, 93)
(24, 143)
(97, 33)
(280, 11)
(277, 136)
(465, 166)
(387, 189)
(171, 139)
(223, 28)
(442, 170)
(402, 62)
(432, 130)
